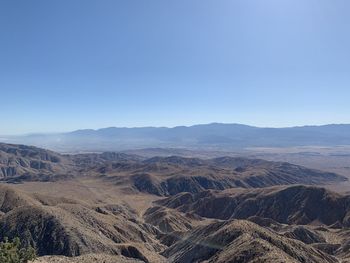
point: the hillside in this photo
(241, 241)
(118, 207)
(31, 162)
(175, 229)
(292, 205)
(162, 176)
(171, 175)
(59, 226)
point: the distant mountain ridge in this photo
(214, 135)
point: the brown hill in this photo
(108, 207)
(168, 220)
(162, 176)
(166, 176)
(31, 163)
(241, 241)
(114, 231)
(290, 205)
(67, 227)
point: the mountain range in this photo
(206, 136)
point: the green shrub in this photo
(13, 252)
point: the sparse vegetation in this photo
(13, 252)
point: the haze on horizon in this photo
(6, 137)
(71, 65)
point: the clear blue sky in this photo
(72, 64)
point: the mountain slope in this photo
(68, 227)
(290, 205)
(162, 176)
(175, 229)
(165, 176)
(241, 241)
(28, 161)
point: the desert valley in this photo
(128, 207)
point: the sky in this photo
(74, 64)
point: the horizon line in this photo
(174, 127)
